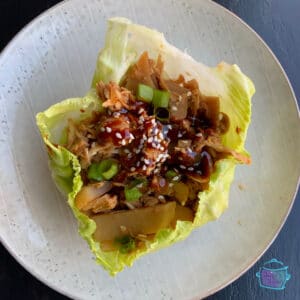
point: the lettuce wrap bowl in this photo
(37, 224)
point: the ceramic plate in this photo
(54, 58)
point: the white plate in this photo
(53, 58)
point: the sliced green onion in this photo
(132, 194)
(145, 93)
(111, 172)
(126, 243)
(105, 170)
(160, 98)
(172, 175)
(162, 114)
(94, 173)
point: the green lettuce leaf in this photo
(124, 43)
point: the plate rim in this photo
(212, 291)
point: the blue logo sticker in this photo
(273, 275)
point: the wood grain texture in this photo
(278, 23)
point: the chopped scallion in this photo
(145, 93)
(104, 170)
(160, 98)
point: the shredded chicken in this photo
(104, 203)
(144, 146)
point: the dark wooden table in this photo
(278, 23)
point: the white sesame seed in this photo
(153, 145)
(129, 155)
(176, 178)
(191, 169)
(102, 129)
(174, 108)
(137, 151)
(138, 163)
(156, 171)
(123, 142)
(161, 148)
(131, 136)
(147, 161)
(161, 197)
(169, 126)
(141, 118)
(171, 184)
(140, 111)
(108, 129)
(199, 134)
(156, 131)
(181, 84)
(150, 140)
(144, 136)
(189, 93)
(118, 135)
(182, 167)
(179, 135)
(160, 135)
(144, 168)
(126, 151)
(180, 97)
(153, 121)
(132, 169)
(116, 114)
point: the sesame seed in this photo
(189, 150)
(140, 111)
(153, 121)
(180, 97)
(189, 93)
(118, 135)
(108, 129)
(131, 136)
(123, 142)
(126, 151)
(169, 126)
(176, 178)
(199, 134)
(150, 140)
(144, 168)
(191, 169)
(174, 108)
(161, 197)
(161, 148)
(171, 184)
(102, 129)
(129, 155)
(155, 131)
(179, 135)
(156, 171)
(137, 151)
(182, 167)
(132, 169)
(153, 145)
(160, 135)
(116, 115)
(147, 161)
(138, 163)
(181, 84)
